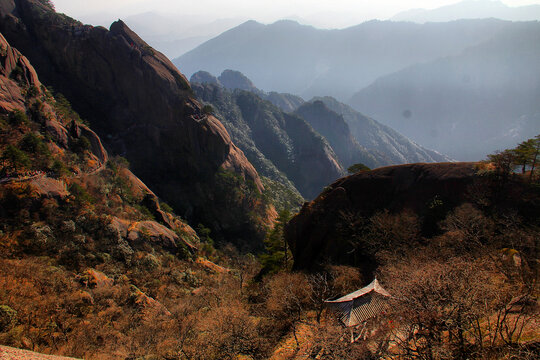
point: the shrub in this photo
(353, 169)
(16, 158)
(80, 194)
(59, 168)
(8, 317)
(32, 92)
(17, 118)
(33, 144)
(81, 144)
(16, 73)
(151, 262)
(208, 109)
(166, 207)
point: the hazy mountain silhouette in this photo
(380, 139)
(471, 9)
(466, 106)
(174, 35)
(352, 136)
(288, 57)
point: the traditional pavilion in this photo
(358, 307)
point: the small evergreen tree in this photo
(277, 255)
(15, 158)
(353, 169)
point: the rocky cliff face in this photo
(50, 140)
(143, 108)
(316, 234)
(13, 65)
(334, 128)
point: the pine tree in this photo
(277, 254)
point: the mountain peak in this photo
(204, 77)
(250, 24)
(233, 79)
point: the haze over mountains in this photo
(301, 145)
(471, 9)
(289, 57)
(482, 73)
(175, 35)
(488, 97)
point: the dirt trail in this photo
(9, 353)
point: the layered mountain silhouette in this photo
(428, 81)
(381, 140)
(469, 105)
(471, 9)
(292, 58)
(262, 126)
(144, 109)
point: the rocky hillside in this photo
(318, 233)
(144, 109)
(282, 146)
(78, 227)
(51, 159)
(393, 209)
(334, 128)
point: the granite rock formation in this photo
(143, 108)
(315, 234)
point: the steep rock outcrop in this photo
(315, 233)
(59, 136)
(14, 67)
(204, 77)
(232, 79)
(141, 105)
(334, 128)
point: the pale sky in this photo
(332, 12)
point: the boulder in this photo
(314, 234)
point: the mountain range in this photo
(99, 131)
(471, 9)
(307, 143)
(174, 35)
(466, 106)
(314, 62)
(427, 81)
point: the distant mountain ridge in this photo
(380, 139)
(482, 100)
(471, 9)
(263, 131)
(333, 127)
(292, 58)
